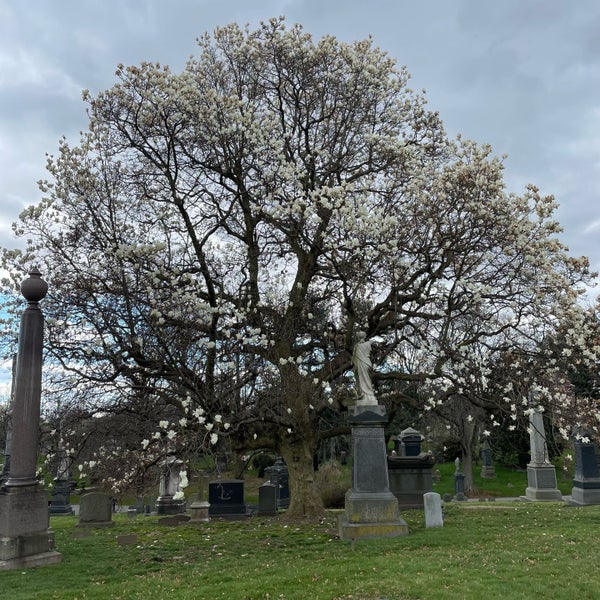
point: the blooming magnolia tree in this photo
(218, 236)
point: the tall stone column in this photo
(25, 537)
(541, 473)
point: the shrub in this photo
(333, 482)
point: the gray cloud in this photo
(522, 76)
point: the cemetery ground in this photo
(485, 550)
(500, 549)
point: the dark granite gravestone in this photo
(95, 510)
(278, 475)
(267, 499)
(226, 498)
(586, 483)
(409, 442)
(60, 498)
(410, 473)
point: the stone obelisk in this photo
(26, 539)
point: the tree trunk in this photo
(468, 470)
(306, 500)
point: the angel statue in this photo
(361, 358)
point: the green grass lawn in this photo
(485, 550)
(509, 482)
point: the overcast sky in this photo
(521, 75)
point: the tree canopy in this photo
(217, 238)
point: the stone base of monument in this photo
(585, 492)
(371, 515)
(371, 510)
(541, 483)
(488, 472)
(26, 539)
(167, 505)
(199, 511)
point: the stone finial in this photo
(34, 288)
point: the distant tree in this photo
(219, 235)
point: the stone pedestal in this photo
(541, 483)
(25, 537)
(199, 511)
(371, 510)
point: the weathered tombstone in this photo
(267, 499)
(586, 483)
(226, 498)
(26, 539)
(432, 503)
(171, 500)
(487, 468)
(459, 483)
(278, 475)
(541, 474)
(95, 510)
(199, 507)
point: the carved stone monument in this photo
(487, 468)
(200, 506)
(459, 482)
(61, 492)
(410, 472)
(170, 500)
(586, 483)
(26, 539)
(371, 509)
(541, 474)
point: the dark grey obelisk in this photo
(25, 537)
